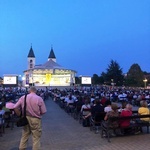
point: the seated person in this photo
(70, 100)
(85, 106)
(144, 110)
(126, 123)
(85, 110)
(78, 105)
(107, 107)
(103, 100)
(123, 106)
(95, 109)
(10, 105)
(126, 112)
(70, 104)
(112, 113)
(9, 111)
(96, 115)
(111, 123)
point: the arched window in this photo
(31, 65)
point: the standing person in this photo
(35, 108)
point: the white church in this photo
(48, 74)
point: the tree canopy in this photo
(113, 74)
(135, 76)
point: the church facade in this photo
(48, 74)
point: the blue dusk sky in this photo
(85, 34)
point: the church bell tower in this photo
(31, 59)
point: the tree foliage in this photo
(135, 76)
(77, 80)
(113, 74)
(95, 79)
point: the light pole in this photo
(23, 81)
(145, 81)
(19, 80)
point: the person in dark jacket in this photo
(96, 108)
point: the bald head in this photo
(32, 89)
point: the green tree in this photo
(102, 78)
(77, 80)
(113, 74)
(95, 79)
(135, 76)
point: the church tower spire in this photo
(52, 55)
(31, 58)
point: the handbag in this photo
(22, 121)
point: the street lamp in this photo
(20, 80)
(145, 81)
(112, 80)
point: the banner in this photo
(48, 78)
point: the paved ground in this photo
(62, 132)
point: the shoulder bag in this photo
(22, 121)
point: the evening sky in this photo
(85, 34)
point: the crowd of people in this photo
(114, 102)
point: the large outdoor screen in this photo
(10, 79)
(86, 80)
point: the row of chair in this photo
(94, 122)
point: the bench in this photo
(108, 129)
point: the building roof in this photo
(50, 64)
(51, 55)
(31, 53)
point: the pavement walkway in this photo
(62, 132)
